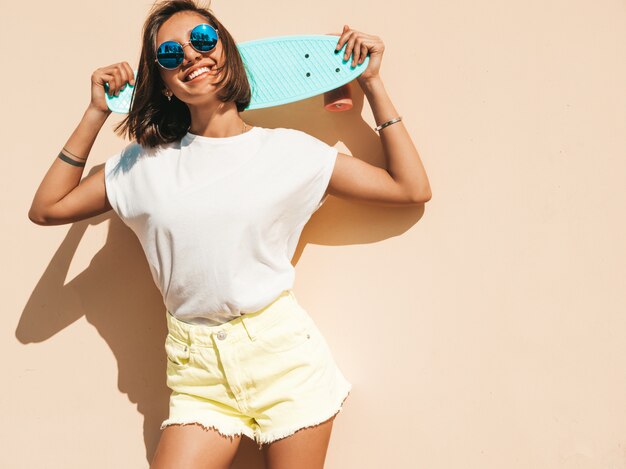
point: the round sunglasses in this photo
(202, 38)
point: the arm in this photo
(403, 161)
(62, 197)
(405, 180)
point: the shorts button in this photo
(221, 335)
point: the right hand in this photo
(117, 76)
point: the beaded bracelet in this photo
(392, 121)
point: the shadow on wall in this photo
(117, 288)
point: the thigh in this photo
(305, 449)
(191, 446)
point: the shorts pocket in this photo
(284, 336)
(177, 352)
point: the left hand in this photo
(360, 45)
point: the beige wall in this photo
(485, 331)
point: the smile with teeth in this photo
(197, 72)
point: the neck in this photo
(219, 122)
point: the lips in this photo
(210, 70)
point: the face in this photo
(200, 89)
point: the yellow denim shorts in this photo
(265, 374)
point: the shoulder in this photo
(129, 156)
(300, 138)
(285, 132)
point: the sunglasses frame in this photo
(188, 43)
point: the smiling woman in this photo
(188, 37)
(218, 209)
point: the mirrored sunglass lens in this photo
(203, 37)
(170, 54)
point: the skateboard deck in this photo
(281, 70)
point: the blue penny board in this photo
(281, 70)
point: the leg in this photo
(194, 447)
(305, 449)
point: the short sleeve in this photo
(110, 184)
(317, 162)
(117, 179)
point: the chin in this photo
(207, 99)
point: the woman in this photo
(218, 206)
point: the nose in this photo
(190, 53)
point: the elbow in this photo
(420, 197)
(37, 217)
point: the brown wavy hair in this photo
(152, 119)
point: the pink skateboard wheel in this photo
(339, 99)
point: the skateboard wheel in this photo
(339, 99)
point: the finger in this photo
(131, 73)
(360, 50)
(350, 46)
(124, 74)
(364, 51)
(98, 77)
(119, 81)
(121, 85)
(112, 82)
(356, 54)
(103, 78)
(342, 37)
(123, 78)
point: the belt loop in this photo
(248, 327)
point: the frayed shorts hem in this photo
(221, 429)
(275, 435)
(261, 438)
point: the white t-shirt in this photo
(219, 218)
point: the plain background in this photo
(483, 330)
